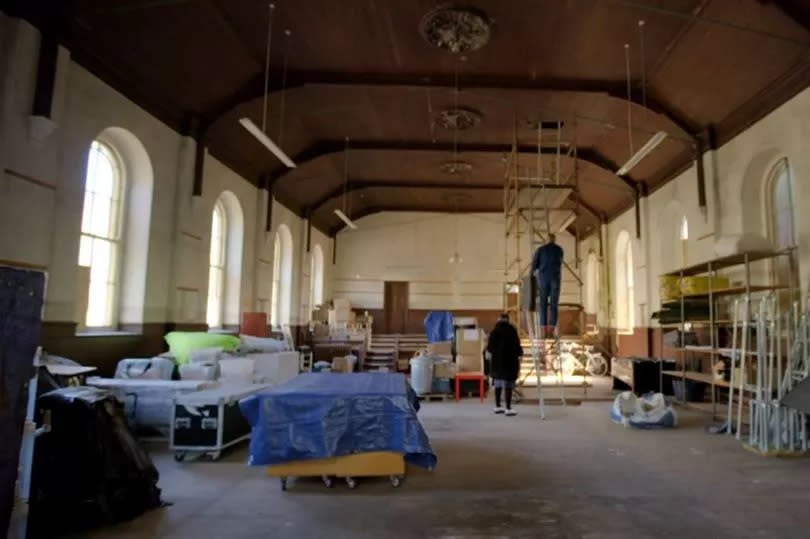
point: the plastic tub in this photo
(421, 374)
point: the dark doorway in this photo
(396, 306)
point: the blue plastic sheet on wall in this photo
(439, 326)
(323, 415)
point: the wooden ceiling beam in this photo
(254, 89)
(325, 147)
(797, 10)
(365, 184)
(401, 208)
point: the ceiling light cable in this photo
(272, 8)
(629, 97)
(345, 172)
(287, 33)
(643, 64)
(261, 133)
(342, 213)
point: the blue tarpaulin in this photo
(439, 326)
(323, 415)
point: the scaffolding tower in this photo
(537, 201)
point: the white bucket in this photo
(421, 374)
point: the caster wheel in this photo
(351, 482)
(283, 484)
(179, 456)
(327, 481)
(396, 481)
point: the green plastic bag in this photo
(181, 343)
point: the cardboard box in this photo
(444, 369)
(441, 348)
(470, 363)
(340, 316)
(466, 321)
(469, 342)
(343, 364)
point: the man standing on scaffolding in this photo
(547, 270)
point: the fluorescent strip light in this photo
(568, 222)
(346, 220)
(654, 141)
(254, 130)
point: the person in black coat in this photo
(504, 350)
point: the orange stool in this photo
(470, 376)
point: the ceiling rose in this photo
(456, 29)
(455, 167)
(458, 118)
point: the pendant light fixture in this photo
(658, 137)
(247, 123)
(455, 258)
(342, 214)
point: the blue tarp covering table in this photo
(323, 415)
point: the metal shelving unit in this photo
(745, 293)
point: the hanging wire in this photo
(643, 63)
(455, 110)
(629, 97)
(287, 33)
(271, 10)
(345, 173)
(431, 121)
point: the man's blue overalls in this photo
(547, 269)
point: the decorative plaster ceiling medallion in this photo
(456, 29)
(456, 167)
(458, 118)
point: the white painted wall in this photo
(415, 247)
(735, 175)
(40, 219)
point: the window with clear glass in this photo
(216, 268)
(592, 284)
(100, 242)
(782, 219)
(316, 279)
(629, 296)
(275, 303)
(625, 315)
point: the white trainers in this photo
(498, 410)
(511, 412)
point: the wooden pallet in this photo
(436, 397)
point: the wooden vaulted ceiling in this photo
(361, 69)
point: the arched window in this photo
(592, 284)
(100, 244)
(225, 262)
(275, 315)
(216, 268)
(316, 278)
(781, 216)
(625, 315)
(282, 277)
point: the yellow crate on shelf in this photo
(669, 287)
(700, 285)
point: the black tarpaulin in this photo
(21, 297)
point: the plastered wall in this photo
(736, 175)
(42, 189)
(416, 247)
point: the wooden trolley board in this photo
(372, 464)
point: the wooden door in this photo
(396, 306)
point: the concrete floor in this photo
(574, 475)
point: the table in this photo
(470, 376)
